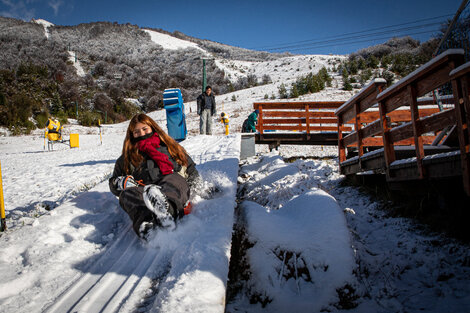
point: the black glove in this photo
(123, 182)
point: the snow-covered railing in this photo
(406, 117)
(350, 112)
(405, 93)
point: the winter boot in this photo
(145, 229)
(158, 204)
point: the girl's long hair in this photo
(131, 153)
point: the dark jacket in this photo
(149, 172)
(201, 103)
(252, 120)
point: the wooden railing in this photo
(400, 120)
(361, 111)
(353, 111)
(461, 88)
(305, 117)
(405, 93)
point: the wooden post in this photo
(415, 121)
(357, 120)
(341, 147)
(260, 119)
(307, 118)
(462, 110)
(389, 150)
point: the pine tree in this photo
(294, 93)
(346, 84)
(282, 91)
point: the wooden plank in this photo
(298, 138)
(350, 139)
(372, 129)
(303, 128)
(298, 105)
(300, 114)
(272, 121)
(438, 121)
(400, 133)
(395, 116)
(378, 142)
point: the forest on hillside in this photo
(38, 78)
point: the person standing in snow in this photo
(249, 125)
(206, 109)
(153, 176)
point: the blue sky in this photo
(297, 26)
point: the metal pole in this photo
(204, 82)
(451, 25)
(2, 203)
(76, 107)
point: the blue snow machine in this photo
(175, 117)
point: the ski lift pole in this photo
(3, 226)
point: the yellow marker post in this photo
(224, 120)
(2, 203)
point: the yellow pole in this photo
(2, 204)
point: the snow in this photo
(170, 42)
(70, 247)
(76, 64)
(462, 68)
(45, 24)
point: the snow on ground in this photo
(170, 42)
(400, 266)
(300, 249)
(283, 70)
(88, 239)
(76, 63)
(63, 219)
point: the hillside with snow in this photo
(63, 219)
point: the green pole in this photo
(3, 225)
(76, 107)
(105, 116)
(204, 83)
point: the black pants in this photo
(173, 186)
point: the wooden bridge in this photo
(401, 131)
(298, 123)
